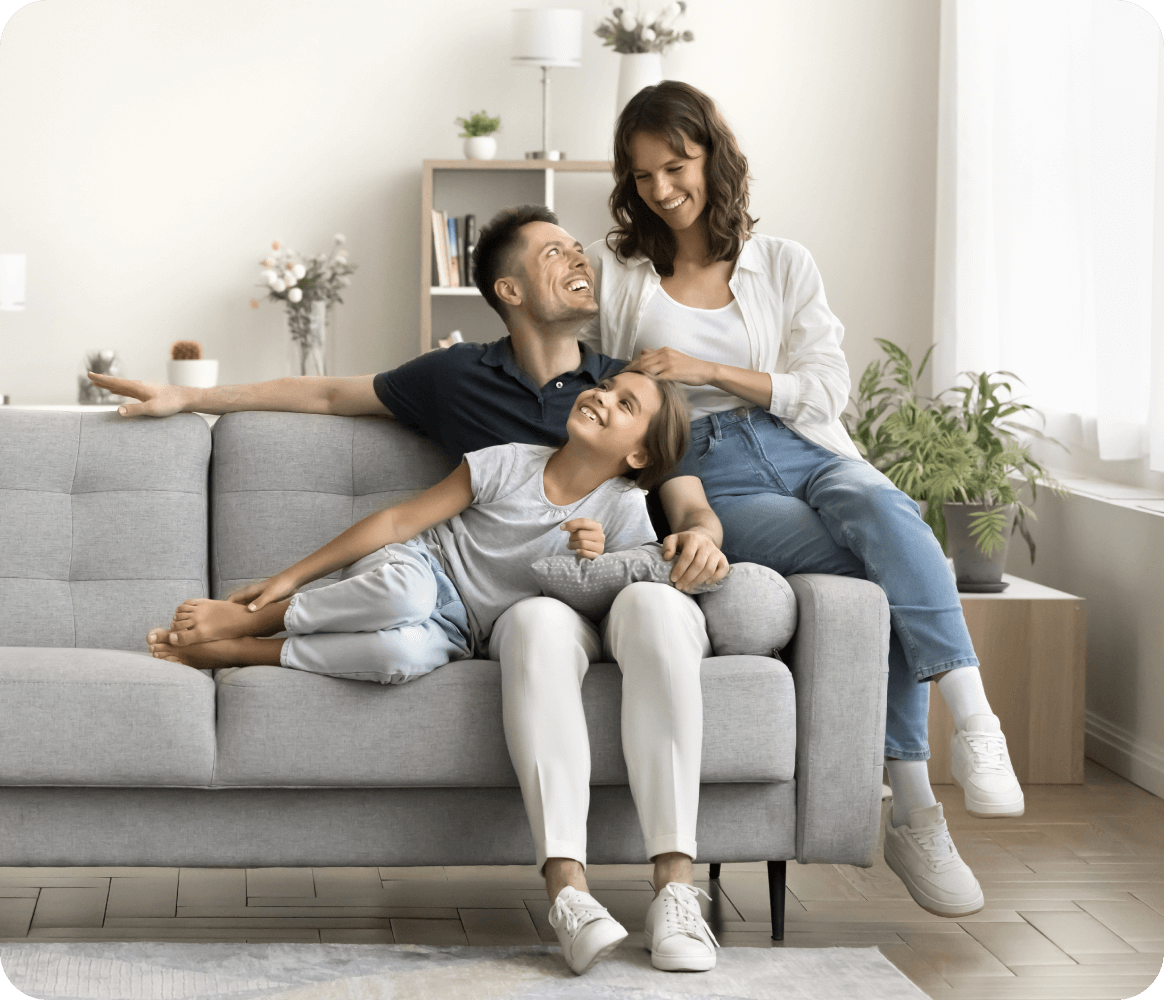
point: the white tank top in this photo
(715, 335)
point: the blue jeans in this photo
(797, 507)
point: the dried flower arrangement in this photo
(100, 363)
(186, 350)
(643, 31)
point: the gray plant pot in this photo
(973, 569)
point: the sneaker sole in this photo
(603, 952)
(928, 903)
(991, 810)
(677, 964)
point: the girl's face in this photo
(613, 417)
(674, 187)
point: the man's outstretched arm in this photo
(697, 533)
(348, 397)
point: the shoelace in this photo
(681, 912)
(575, 917)
(988, 751)
(935, 841)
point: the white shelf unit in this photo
(482, 188)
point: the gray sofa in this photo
(109, 757)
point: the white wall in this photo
(150, 151)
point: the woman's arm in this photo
(668, 363)
(393, 524)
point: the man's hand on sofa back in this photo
(350, 397)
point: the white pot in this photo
(201, 374)
(635, 71)
(480, 147)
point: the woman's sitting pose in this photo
(693, 295)
(428, 580)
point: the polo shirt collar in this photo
(500, 354)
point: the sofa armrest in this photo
(840, 668)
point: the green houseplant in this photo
(477, 131)
(961, 448)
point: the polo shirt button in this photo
(558, 384)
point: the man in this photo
(521, 389)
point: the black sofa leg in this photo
(777, 880)
(713, 870)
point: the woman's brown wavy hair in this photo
(676, 111)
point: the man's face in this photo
(557, 282)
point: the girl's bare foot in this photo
(242, 652)
(202, 620)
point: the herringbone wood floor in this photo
(1074, 902)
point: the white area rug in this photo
(161, 971)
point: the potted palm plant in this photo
(958, 454)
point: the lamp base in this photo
(546, 154)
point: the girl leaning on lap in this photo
(689, 292)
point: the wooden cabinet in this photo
(1032, 644)
(576, 189)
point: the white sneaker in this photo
(980, 763)
(677, 934)
(924, 857)
(585, 928)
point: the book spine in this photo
(439, 275)
(454, 254)
(443, 221)
(470, 227)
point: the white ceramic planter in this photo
(635, 71)
(201, 374)
(480, 147)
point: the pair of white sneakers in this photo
(921, 852)
(677, 934)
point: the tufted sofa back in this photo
(284, 484)
(103, 525)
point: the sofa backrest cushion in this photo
(103, 525)
(284, 484)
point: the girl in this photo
(425, 580)
(741, 319)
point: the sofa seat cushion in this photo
(103, 717)
(288, 728)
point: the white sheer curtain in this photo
(1046, 185)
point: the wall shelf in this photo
(484, 187)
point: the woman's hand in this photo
(259, 595)
(697, 559)
(668, 363)
(586, 537)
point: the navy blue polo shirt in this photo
(471, 396)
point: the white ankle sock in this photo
(964, 695)
(910, 781)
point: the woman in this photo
(693, 295)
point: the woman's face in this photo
(673, 186)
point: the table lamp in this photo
(12, 282)
(545, 37)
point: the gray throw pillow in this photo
(751, 610)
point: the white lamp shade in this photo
(548, 36)
(11, 282)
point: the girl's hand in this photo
(259, 595)
(586, 537)
(668, 363)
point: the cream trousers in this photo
(658, 637)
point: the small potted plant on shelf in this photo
(477, 131)
(187, 366)
(956, 456)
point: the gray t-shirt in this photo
(487, 550)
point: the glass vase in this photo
(307, 324)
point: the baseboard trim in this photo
(1140, 761)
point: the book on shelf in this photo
(440, 273)
(454, 253)
(469, 237)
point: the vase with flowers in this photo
(641, 38)
(308, 287)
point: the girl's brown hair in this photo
(676, 111)
(668, 435)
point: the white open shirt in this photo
(792, 333)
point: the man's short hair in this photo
(493, 255)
